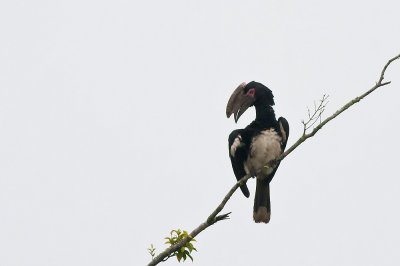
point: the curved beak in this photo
(239, 102)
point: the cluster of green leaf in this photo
(185, 251)
(175, 237)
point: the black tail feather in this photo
(262, 203)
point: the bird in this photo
(252, 147)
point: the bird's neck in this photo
(265, 115)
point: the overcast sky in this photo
(113, 130)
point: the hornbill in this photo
(262, 140)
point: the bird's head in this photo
(247, 95)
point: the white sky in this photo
(113, 130)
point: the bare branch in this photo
(338, 112)
(318, 110)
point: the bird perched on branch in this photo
(251, 148)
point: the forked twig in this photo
(317, 114)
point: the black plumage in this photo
(261, 141)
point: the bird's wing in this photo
(284, 128)
(238, 153)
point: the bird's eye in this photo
(251, 92)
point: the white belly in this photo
(264, 148)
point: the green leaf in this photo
(179, 256)
(190, 257)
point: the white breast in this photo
(264, 147)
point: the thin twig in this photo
(318, 111)
(213, 218)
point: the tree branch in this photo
(338, 112)
(213, 218)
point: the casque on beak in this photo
(239, 102)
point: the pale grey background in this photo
(113, 130)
